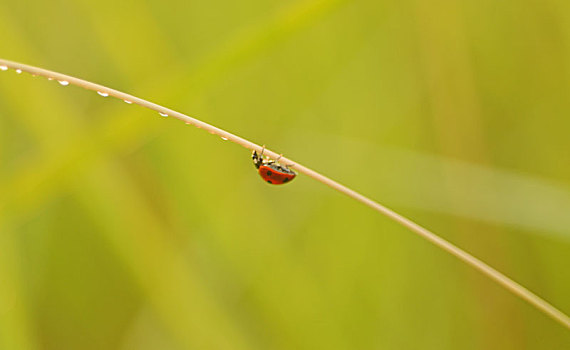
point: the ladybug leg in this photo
(263, 160)
(262, 150)
(286, 166)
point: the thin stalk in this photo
(469, 259)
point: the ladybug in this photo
(271, 171)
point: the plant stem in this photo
(469, 259)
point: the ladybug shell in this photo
(276, 175)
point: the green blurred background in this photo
(120, 229)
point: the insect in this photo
(271, 171)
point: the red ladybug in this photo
(271, 171)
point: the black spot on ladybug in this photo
(269, 181)
(285, 179)
(269, 173)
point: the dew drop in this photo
(63, 82)
(224, 138)
(4, 68)
(104, 94)
(187, 123)
(127, 102)
(163, 114)
(19, 71)
(50, 78)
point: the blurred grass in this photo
(120, 229)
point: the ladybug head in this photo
(257, 159)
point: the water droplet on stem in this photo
(104, 94)
(163, 114)
(63, 82)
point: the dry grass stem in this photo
(472, 261)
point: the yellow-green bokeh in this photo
(120, 229)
